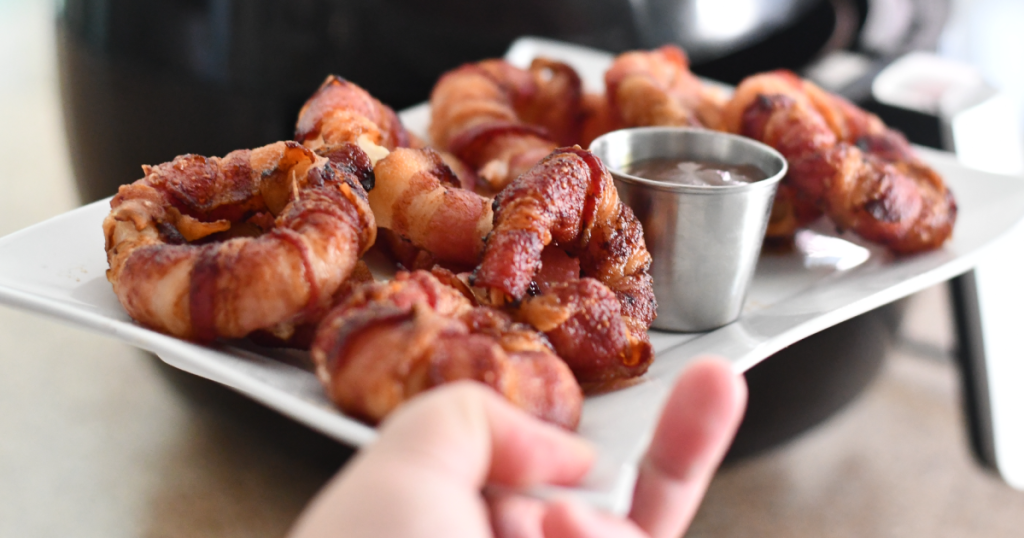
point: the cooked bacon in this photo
(177, 265)
(902, 204)
(390, 341)
(341, 112)
(584, 321)
(569, 201)
(418, 197)
(656, 87)
(501, 120)
(596, 118)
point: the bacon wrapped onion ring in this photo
(843, 162)
(656, 87)
(342, 112)
(569, 201)
(418, 197)
(261, 239)
(601, 332)
(501, 120)
(392, 340)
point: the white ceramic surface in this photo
(57, 267)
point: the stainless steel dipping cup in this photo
(704, 240)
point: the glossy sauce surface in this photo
(700, 173)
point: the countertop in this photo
(98, 439)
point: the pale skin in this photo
(424, 476)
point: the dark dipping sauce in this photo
(698, 173)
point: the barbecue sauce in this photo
(699, 173)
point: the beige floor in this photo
(895, 463)
(96, 442)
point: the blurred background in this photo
(210, 76)
(98, 439)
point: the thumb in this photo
(432, 457)
(469, 434)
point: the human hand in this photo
(424, 474)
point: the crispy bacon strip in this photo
(391, 341)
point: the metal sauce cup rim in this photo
(697, 189)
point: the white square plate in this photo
(57, 268)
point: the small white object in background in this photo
(984, 135)
(838, 69)
(980, 123)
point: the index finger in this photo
(695, 429)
